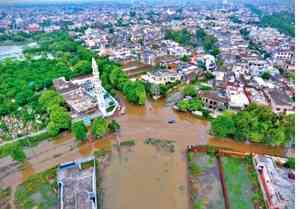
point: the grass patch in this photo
(38, 191)
(128, 143)
(4, 198)
(239, 186)
(88, 164)
(15, 149)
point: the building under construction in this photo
(77, 184)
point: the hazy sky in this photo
(124, 1)
(47, 1)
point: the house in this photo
(214, 100)
(210, 62)
(237, 97)
(280, 102)
(169, 62)
(161, 77)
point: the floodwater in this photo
(143, 166)
(145, 177)
(152, 121)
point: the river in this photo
(138, 123)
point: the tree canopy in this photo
(99, 127)
(209, 42)
(256, 123)
(22, 80)
(113, 78)
(182, 37)
(79, 130)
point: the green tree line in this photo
(256, 123)
(113, 78)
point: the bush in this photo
(190, 156)
(114, 126)
(194, 169)
(190, 90)
(290, 163)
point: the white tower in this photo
(99, 91)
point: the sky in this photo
(123, 1)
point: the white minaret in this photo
(99, 91)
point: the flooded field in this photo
(144, 176)
(138, 123)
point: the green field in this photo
(238, 183)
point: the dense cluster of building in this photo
(255, 61)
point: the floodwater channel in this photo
(139, 123)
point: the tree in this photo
(223, 126)
(82, 67)
(49, 98)
(52, 129)
(290, 163)
(215, 51)
(59, 120)
(99, 127)
(266, 75)
(195, 104)
(114, 126)
(185, 58)
(182, 37)
(79, 130)
(135, 92)
(190, 90)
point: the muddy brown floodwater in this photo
(145, 177)
(138, 123)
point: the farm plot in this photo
(205, 182)
(237, 180)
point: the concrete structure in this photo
(77, 184)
